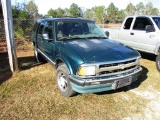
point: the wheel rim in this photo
(62, 82)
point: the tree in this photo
(52, 12)
(75, 11)
(121, 15)
(16, 10)
(32, 9)
(23, 15)
(155, 11)
(140, 9)
(112, 12)
(150, 10)
(130, 10)
(100, 13)
(60, 12)
(89, 14)
(19, 11)
(66, 11)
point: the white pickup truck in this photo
(139, 32)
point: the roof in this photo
(143, 16)
(65, 19)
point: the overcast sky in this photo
(45, 5)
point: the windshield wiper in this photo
(70, 38)
(96, 37)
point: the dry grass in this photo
(32, 93)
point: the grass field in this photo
(32, 93)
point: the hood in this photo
(101, 50)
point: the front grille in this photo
(117, 68)
(115, 64)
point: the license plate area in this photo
(122, 82)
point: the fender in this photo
(64, 60)
(72, 64)
(60, 57)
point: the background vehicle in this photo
(85, 59)
(141, 33)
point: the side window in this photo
(48, 29)
(128, 23)
(40, 28)
(141, 23)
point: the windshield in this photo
(157, 21)
(78, 30)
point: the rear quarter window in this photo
(128, 23)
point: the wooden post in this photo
(8, 21)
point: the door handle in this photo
(131, 33)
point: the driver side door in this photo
(47, 41)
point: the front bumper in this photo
(105, 83)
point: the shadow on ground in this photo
(24, 63)
(5, 72)
(28, 62)
(148, 56)
(134, 85)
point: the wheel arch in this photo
(157, 50)
(61, 60)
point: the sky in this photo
(45, 5)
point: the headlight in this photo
(138, 61)
(87, 71)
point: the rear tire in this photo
(158, 62)
(63, 82)
(38, 56)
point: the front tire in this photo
(158, 62)
(63, 82)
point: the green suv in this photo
(85, 59)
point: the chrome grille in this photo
(117, 68)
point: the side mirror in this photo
(107, 33)
(45, 36)
(149, 28)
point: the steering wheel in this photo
(75, 31)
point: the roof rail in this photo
(62, 17)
